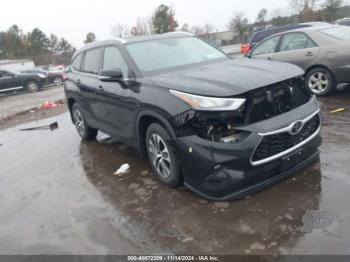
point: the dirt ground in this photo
(20, 102)
(58, 195)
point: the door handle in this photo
(100, 89)
(309, 54)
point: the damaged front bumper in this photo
(272, 152)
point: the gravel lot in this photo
(58, 195)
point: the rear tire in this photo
(58, 81)
(320, 81)
(32, 86)
(84, 131)
(161, 156)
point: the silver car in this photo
(323, 52)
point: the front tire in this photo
(320, 82)
(84, 131)
(32, 86)
(161, 156)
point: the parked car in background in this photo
(323, 52)
(260, 35)
(11, 81)
(344, 21)
(53, 77)
(225, 127)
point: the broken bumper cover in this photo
(220, 171)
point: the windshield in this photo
(171, 52)
(340, 32)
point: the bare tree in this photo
(185, 27)
(141, 28)
(119, 30)
(331, 9)
(261, 19)
(240, 24)
(209, 28)
(305, 9)
(197, 30)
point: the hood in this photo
(227, 78)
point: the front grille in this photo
(267, 102)
(271, 145)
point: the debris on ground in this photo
(125, 168)
(187, 239)
(49, 105)
(343, 109)
(222, 205)
(51, 127)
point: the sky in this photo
(73, 19)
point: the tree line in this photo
(35, 45)
(43, 49)
(163, 19)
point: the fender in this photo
(162, 120)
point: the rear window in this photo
(92, 61)
(340, 32)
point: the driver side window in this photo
(113, 59)
(266, 47)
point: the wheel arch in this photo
(320, 66)
(70, 102)
(143, 120)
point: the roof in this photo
(122, 41)
(311, 29)
(303, 25)
(7, 62)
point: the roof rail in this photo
(121, 40)
(179, 32)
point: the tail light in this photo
(245, 48)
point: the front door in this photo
(115, 106)
(266, 49)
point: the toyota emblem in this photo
(296, 127)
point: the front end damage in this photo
(231, 154)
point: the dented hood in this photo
(227, 78)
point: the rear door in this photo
(298, 49)
(88, 83)
(266, 49)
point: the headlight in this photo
(42, 75)
(205, 103)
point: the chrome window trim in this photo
(286, 130)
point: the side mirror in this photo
(114, 75)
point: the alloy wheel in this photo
(318, 82)
(79, 122)
(160, 156)
(57, 81)
(32, 87)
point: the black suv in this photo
(11, 81)
(224, 127)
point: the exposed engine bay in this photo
(261, 104)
